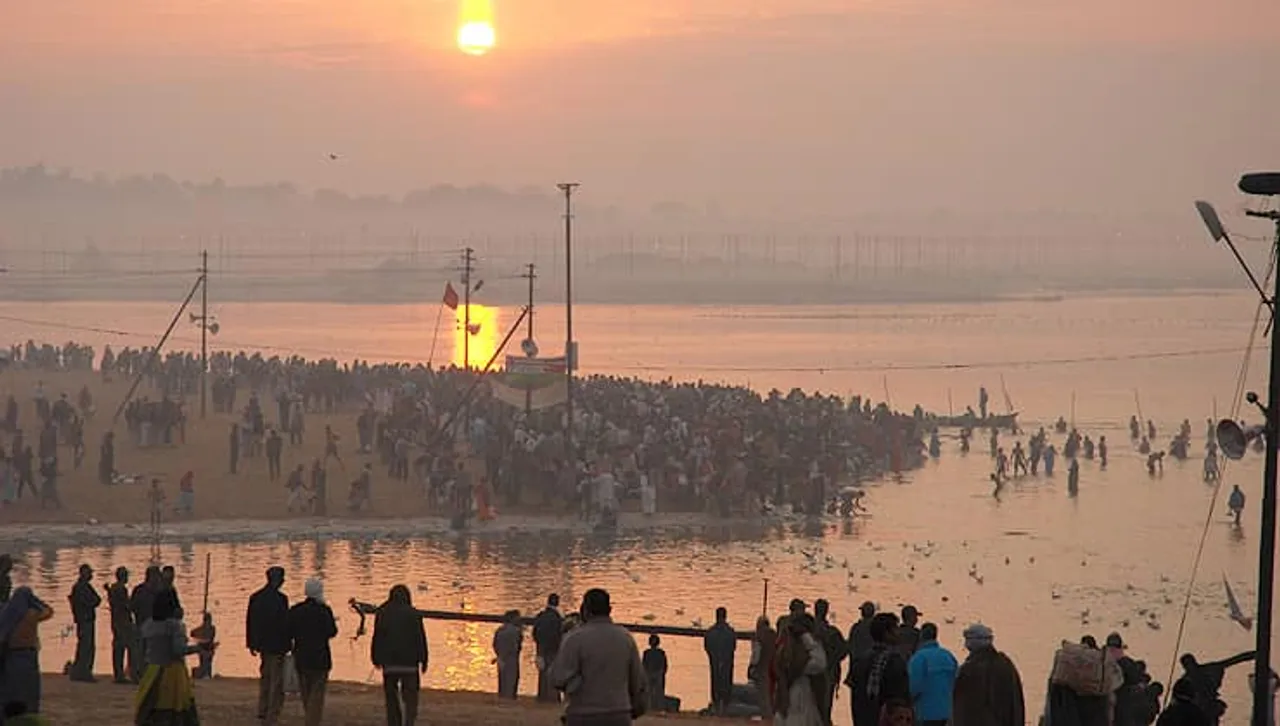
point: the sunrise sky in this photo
(795, 106)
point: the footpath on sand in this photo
(233, 702)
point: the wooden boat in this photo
(967, 421)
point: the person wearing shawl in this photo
(798, 668)
(19, 622)
(166, 696)
(988, 690)
(508, 642)
(878, 677)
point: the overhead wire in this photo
(1223, 464)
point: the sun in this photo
(476, 37)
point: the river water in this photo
(1118, 557)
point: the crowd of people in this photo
(667, 446)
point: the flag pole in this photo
(435, 335)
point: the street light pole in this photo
(570, 355)
(1266, 184)
(204, 331)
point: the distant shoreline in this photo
(746, 294)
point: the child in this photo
(206, 635)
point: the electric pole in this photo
(529, 350)
(530, 276)
(204, 331)
(468, 266)
(570, 355)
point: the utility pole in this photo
(529, 349)
(530, 276)
(570, 355)
(1234, 441)
(204, 331)
(468, 266)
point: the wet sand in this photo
(233, 702)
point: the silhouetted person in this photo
(720, 642)
(267, 636)
(84, 602)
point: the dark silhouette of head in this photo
(884, 628)
(596, 604)
(400, 595)
(275, 577)
(929, 631)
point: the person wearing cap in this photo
(988, 690)
(599, 669)
(548, 631)
(84, 602)
(267, 637)
(931, 671)
(860, 641)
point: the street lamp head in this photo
(568, 187)
(1209, 216)
(1261, 184)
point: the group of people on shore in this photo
(664, 445)
(149, 644)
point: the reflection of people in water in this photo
(1073, 478)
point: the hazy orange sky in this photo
(795, 106)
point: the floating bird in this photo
(332, 156)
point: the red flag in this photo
(450, 296)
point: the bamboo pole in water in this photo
(670, 630)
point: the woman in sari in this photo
(19, 624)
(798, 667)
(166, 696)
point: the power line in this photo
(888, 368)
(975, 365)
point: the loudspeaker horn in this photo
(1234, 439)
(214, 328)
(194, 318)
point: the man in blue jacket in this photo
(932, 674)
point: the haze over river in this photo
(1115, 558)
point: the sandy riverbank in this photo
(233, 702)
